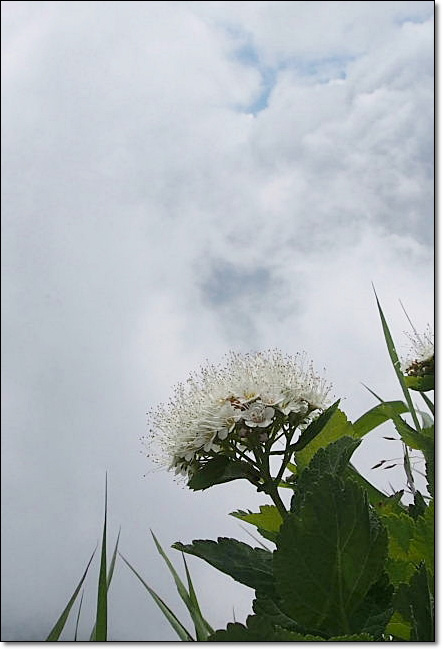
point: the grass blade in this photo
(109, 578)
(58, 627)
(429, 403)
(200, 628)
(113, 558)
(169, 614)
(396, 363)
(78, 615)
(256, 539)
(193, 597)
(101, 623)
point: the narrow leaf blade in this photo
(195, 613)
(377, 416)
(101, 622)
(60, 624)
(180, 629)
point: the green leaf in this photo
(259, 629)
(78, 615)
(429, 403)
(329, 556)
(101, 621)
(409, 435)
(221, 470)
(380, 501)
(113, 559)
(267, 521)
(415, 604)
(410, 542)
(315, 428)
(400, 528)
(418, 508)
(375, 611)
(429, 454)
(109, 577)
(398, 627)
(333, 460)
(422, 606)
(422, 543)
(337, 426)
(421, 384)
(364, 636)
(377, 416)
(60, 624)
(194, 600)
(181, 631)
(270, 608)
(250, 566)
(191, 604)
(396, 363)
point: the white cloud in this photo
(137, 182)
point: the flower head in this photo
(421, 354)
(244, 401)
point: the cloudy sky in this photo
(181, 179)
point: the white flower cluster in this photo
(421, 354)
(234, 400)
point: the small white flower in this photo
(258, 415)
(291, 405)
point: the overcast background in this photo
(181, 179)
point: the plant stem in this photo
(272, 491)
(270, 484)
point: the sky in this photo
(181, 179)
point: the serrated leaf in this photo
(338, 426)
(353, 638)
(376, 609)
(422, 543)
(377, 416)
(401, 529)
(222, 470)
(250, 566)
(333, 460)
(268, 519)
(329, 556)
(270, 608)
(415, 604)
(410, 542)
(259, 629)
(422, 606)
